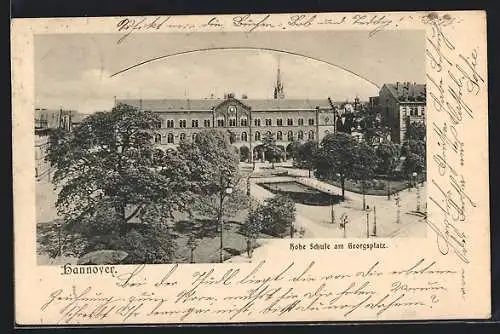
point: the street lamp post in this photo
(363, 184)
(418, 191)
(228, 191)
(388, 188)
(248, 186)
(333, 214)
(59, 238)
(367, 224)
(374, 222)
(397, 199)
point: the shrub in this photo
(378, 185)
(278, 215)
(149, 245)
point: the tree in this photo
(213, 166)
(416, 131)
(272, 151)
(388, 155)
(415, 153)
(336, 156)
(109, 171)
(363, 169)
(253, 226)
(306, 155)
(277, 215)
(211, 160)
(109, 159)
(293, 149)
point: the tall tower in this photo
(279, 92)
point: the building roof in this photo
(407, 91)
(162, 105)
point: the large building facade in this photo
(246, 121)
(401, 104)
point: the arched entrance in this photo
(291, 150)
(283, 153)
(244, 153)
(258, 153)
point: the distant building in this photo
(373, 102)
(246, 120)
(401, 104)
(53, 118)
(45, 120)
(76, 119)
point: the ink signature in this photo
(130, 25)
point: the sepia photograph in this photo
(251, 168)
(172, 149)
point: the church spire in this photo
(279, 92)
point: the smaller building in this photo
(45, 120)
(401, 104)
(76, 119)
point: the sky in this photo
(75, 71)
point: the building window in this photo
(183, 136)
(269, 134)
(157, 138)
(244, 136)
(157, 124)
(311, 135)
(300, 135)
(244, 121)
(193, 136)
(194, 123)
(311, 121)
(232, 122)
(170, 138)
(170, 123)
(257, 122)
(269, 122)
(257, 136)
(301, 121)
(279, 122)
(182, 123)
(289, 121)
(220, 122)
(290, 136)
(206, 123)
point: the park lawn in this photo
(208, 248)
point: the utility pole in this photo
(374, 222)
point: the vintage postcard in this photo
(251, 168)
